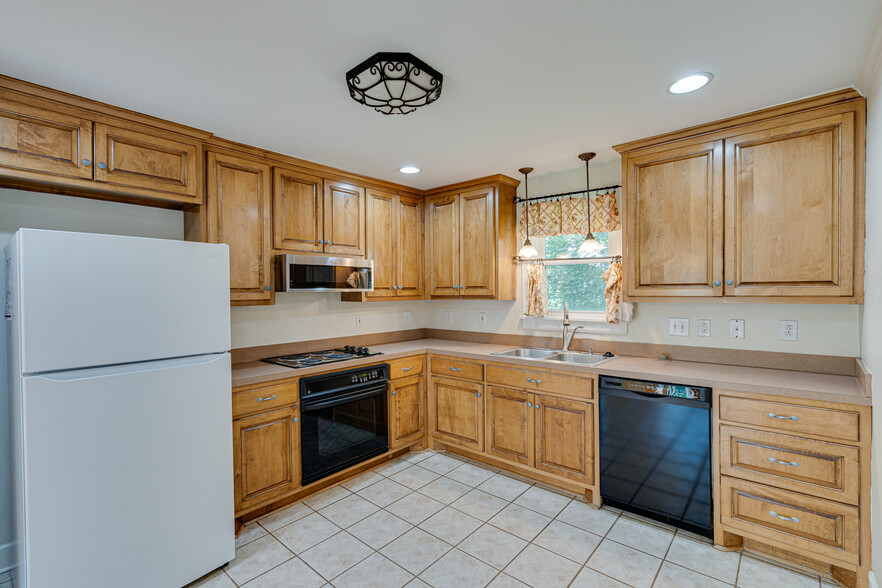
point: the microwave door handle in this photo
(342, 400)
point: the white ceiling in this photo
(525, 82)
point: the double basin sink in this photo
(554, 355)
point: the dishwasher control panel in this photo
(656, 388)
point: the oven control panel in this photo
(363, 377)
(344, 380)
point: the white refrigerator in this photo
(121, 409)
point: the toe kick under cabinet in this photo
(792, 479)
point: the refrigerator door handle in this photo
(127, 368)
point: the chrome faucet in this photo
(567, 333)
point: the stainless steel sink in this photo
(579, 358)
(527, 352)
(554, 355)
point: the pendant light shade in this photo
(590, 244)
(527, 250)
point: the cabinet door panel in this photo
(266, 462)
(34, 137)
(381, 242)
(141, 160)
(510, 425)
(674, 215)
(238, 192)
(409, 263)
(408, 411)
(344, 218)
(459, 413)
(477, 270)
(564, 438)
(442, 245)
(790, 218)
(297, 212)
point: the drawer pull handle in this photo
(783, 418)
(407, 369)
(534, 381)
(267, 398)
(791, 519)
(778, 461)
(453, 369)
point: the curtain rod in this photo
(563, 194)
(532, 259)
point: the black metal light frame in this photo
(394, 67)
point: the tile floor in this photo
(433, 519)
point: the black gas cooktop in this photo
(304, 360)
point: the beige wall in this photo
(872, 315)
(19, 209)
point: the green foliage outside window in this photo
(579, 284)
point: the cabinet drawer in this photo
(263, 399)
(443, 366)
(406, 367)
(814, 467)
(791, 418)
(779, 517)
(556, 382)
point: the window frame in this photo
(556, 316)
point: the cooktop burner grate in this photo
(303, 360)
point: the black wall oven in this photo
(344, 420)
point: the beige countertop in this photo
(745, 379)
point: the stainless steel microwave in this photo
(321, 273)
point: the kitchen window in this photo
(575, 280)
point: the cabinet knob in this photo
(729, 282)
(102, 165)
(479, 394)
(296, 419)
(87, 163)
(717, 283)
(267, 288)
(537, 406)
(529, 405)
(393, 392)
(327, 242)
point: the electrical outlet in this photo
(482, 318)
(789, 330)
(358, 321)
(448, 317)
(407, 318)
(678, 327)
(704, 327)
(736, 328)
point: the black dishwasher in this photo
(655, 451)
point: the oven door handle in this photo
(338, 400)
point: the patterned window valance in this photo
(569, 216)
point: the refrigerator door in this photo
(127, 474)
(87, 300)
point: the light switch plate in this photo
(678, 327)
(789, 330)
(358, 321)
(736, 328)
(482, 318)
(704, 327)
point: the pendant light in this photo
(590, 244)
(527, 250)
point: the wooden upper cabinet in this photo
(674, 213)
(35, 137)
(381, 238)
(298, 225)
(790, 190)
(344, 218)
(765, 207)
(139, 158)
(442, 245)
(409, 258)
(239, 205)
(477, 247)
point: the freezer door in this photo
(92, 300)
(128, 475)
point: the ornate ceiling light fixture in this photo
(394, 83)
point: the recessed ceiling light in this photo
(690, 83)
(409, 169)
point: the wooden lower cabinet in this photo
(564, 438)
(407, 411)
(266, 457)
(510, 425)
(458, 412)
